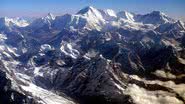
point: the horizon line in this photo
(31, 14)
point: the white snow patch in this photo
(37, 71)
(46, 47)
(68, 50)
(46, 96)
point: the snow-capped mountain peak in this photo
(45, 21)
(5, 21)
(92, 18)
(162, 15)
(87, 9)
(110, 12)
(50, 16)
(126, 15)
(90, 12)
(21, 22)
(155, 18)
(117, 58)
(9, 22)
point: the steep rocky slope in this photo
(94, 56)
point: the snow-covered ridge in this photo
(155, 18)
(126, 15)
(44, 21)
(92, 18)
(57, 54)
(6, 21)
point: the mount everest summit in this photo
(93, 57)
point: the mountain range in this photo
(93, 57)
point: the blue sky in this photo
(175, 8)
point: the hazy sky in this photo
(175, 8)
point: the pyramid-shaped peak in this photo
(91, 12)
(87, 9)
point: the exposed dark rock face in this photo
(89, 80)
(56, 60)
(105, 75)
